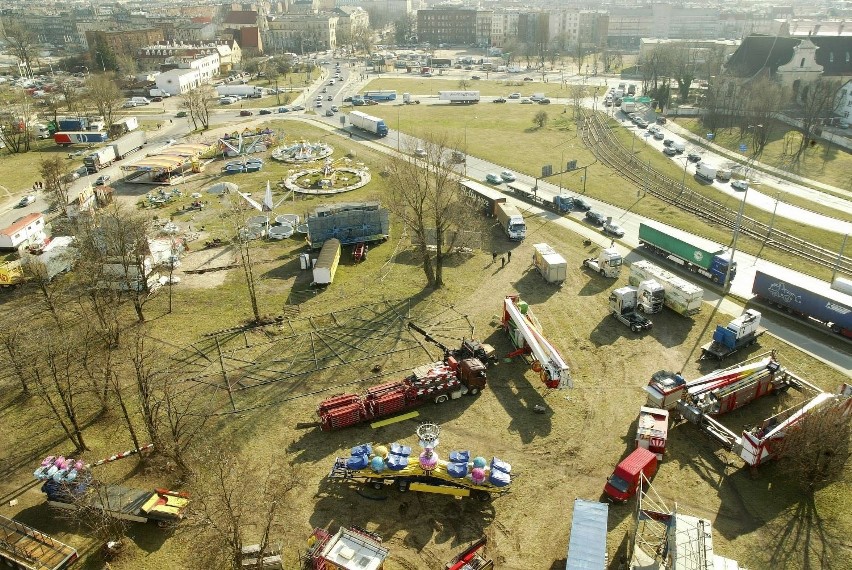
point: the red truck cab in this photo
(624, 481)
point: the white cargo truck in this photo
(681, 296)
(129, 143)
(705, 172)
(550, 264)
(459, 96)
(238, 90)
(326, 263)
(511, 221)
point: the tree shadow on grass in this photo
(802, 539)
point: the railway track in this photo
(598, 138)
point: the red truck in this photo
(624, 481)
(438, 381)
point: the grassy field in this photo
(505, 134)
(826, 162)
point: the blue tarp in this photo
(587, 546)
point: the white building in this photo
(843, 102)
(207, 66)
(179, 81)
(26, 230)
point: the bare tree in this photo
(362, 39)
(540, 119)
(238, 502)
(764, 99)
(683, 68)
(145, 379)
(103, 92)
(198, 103)
(815, 450)
(15, 123)
(16, 348)
(71, 94)
(182, 418)
(816, 99)
(57, 185)
(463, 84)
(21, 41)
(576, 93)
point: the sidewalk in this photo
(721, 151)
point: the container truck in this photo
(73, 124)
(561, 203)
(706, 172)
(99, 159)
(129, 143)
(368, 123)
(807, 297)
(437, 382)
(24, 548)
(697, 254)
(550, 264)
(326, 263)
(123, 126)
(511, 221)
(608, 263)
(239, 90)
(408, 100)
(623, 305)
(740, 332)
(79, 137)
(459, 96)
(681, 296)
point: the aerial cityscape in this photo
(438, 285)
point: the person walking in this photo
(509, 254)
(493, 257)
(502, 262)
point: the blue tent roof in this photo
(587, 547)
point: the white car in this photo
(421, 152)
(27, 200)
(507, 176)
(614, 229)
(739, 184)
(128, 104)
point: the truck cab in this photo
(624, 481)
(608, 262)
(471, 372)
(650, 297)
(623, 306)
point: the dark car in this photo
(668, 142)
(528, 78)
(595, 218)
(544, 101)
(581, 205)
(475, 77)
(246, 113)
(157, 99)
(500, 100)
(347, 99)
(265, 112)
(669, 151)
(693, 157)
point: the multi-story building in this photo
(701, 49)
(349, 19)
(116, 42)
(628, 25)
(381, 11)
(246, 27)
(452, 26)
(301, 33)
(504, 26)
(179, 80)
(194, 32)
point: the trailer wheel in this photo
(162, 524)
(482, 496)
(441, 399)
(474, 391)
(378, 484)
(634, 328)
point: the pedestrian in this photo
(502, 262)
(493, 257)
(509, 254)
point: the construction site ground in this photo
(762, 520)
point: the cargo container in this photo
(550, 264)
(512, 221)
(706, 172)
(73, 124)
(129, 143)
(79, 137)
(681, 296)
(805, 296)
(368, 123)
(459, 96)
(326, 264)
(99, 159)
(694, 253)
(587, 546)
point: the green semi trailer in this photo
(694, 253)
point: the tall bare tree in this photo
(57, 185)
(102, 91)
(683, 68)
(244, 243)
(765, 99)
(16, 121)
(816, 99)
(21, 41)
(198, 103)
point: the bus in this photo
(380, 95)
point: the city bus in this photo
(380, 95)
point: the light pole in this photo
(683, 180)
(397, 130)
(727, 282)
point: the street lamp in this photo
(727, 282)
(683, 180)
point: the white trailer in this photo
(241, 90)
(326, 263)
(550, 264)
(459, 96)
(99, 159)
(123, 125)
(131, 142)
(368, 123)
(706, 171)
(681, 296)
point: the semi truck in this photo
(806, 297)
(550, 264)
(623, 305)
(511, 221)
(79, 137)
(459, 96)
(381, 95)
(681, 296)
(99, 159)
(697, 254)
(123, 126)
(238, 90)
(437, 382)
(368, 123)
(706, 172)
(129, 143)
(561, 203)
(608, 263)
(740, 332)
(649, 297)
(24, 548)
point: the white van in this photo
(679, 147)
(140, 101)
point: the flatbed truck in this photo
(740, 332)
(24, 548)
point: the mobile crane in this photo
(525, 333)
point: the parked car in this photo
(659, 135)
(507, 176)
(669, 151)
(181, 114)
(544, 101)
(420, 152)
(500, 100)
(739, 184)
(264, 112)
(693, 157)
(27, 200)
(157, 99)
(581, 205)
(325, 89)
(102, 180)
(318, 105)
(528, 79)
(595, 218)
(283, 110)
(298, 108)
(128, 104)
(329, 113)
(526, 101)
(330, 98)
(370, 102)
(475, 77)
(668, 142)
(492, 178)
(347, 99)
(613, 229)
(335, 108)
(514, 95)
(246, 113)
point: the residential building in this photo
(120, 41)
(450, 25)
(171, 53)
(301, 33)
(245, 27)
(178, 81)
(701, 49)
(349, 19)
(843, 102)
(194, 32)
(504, 26)
(27, 230)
